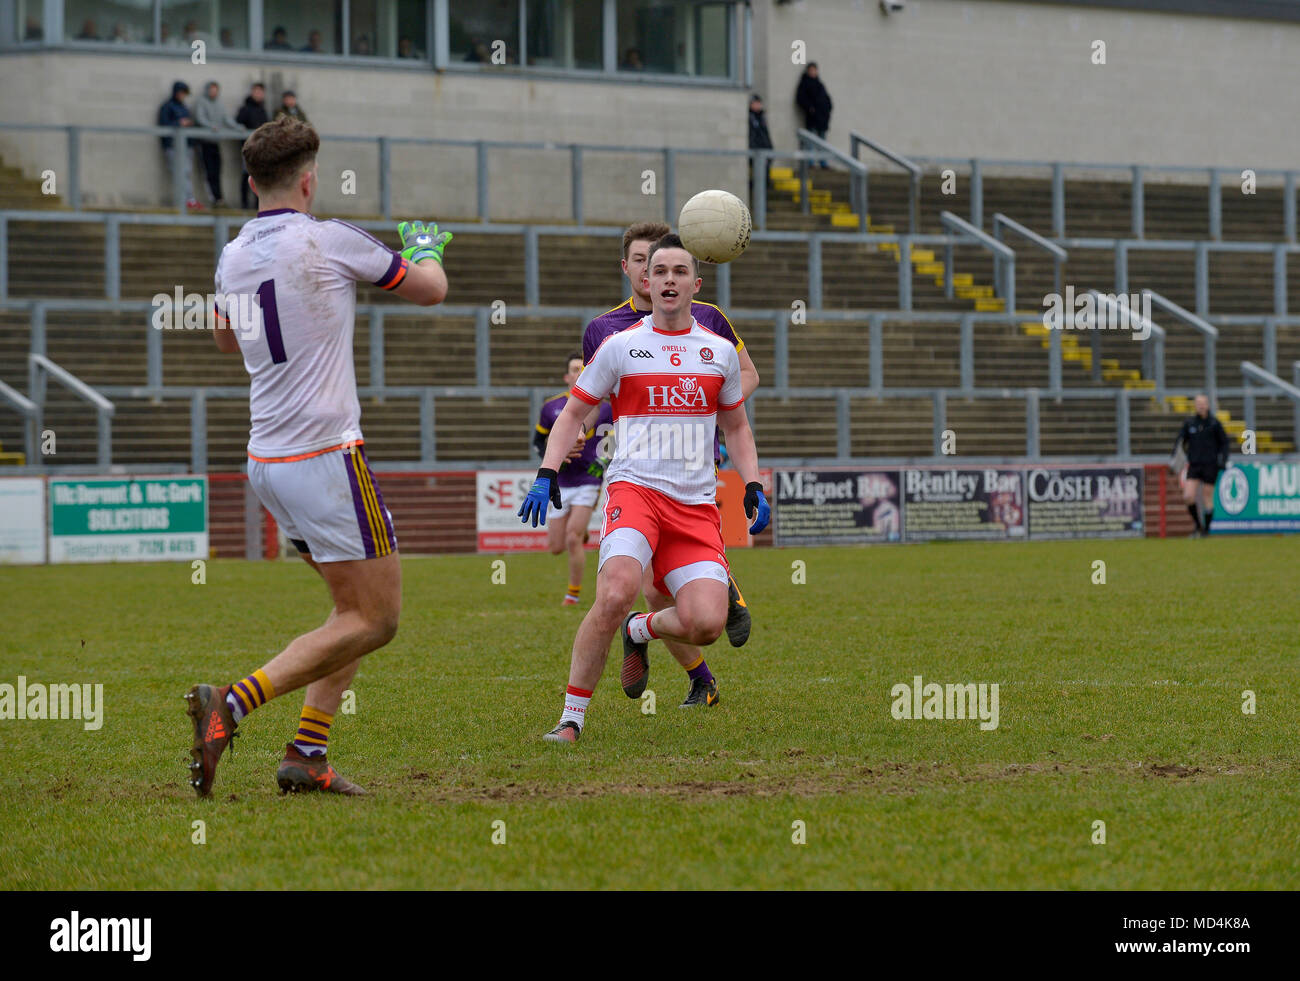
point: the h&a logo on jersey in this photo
(638, 353)
(686, 393)
(706, 355)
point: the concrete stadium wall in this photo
(129, 171)
(1014, 79)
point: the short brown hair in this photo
(277, 152)
(573, 356)
(643, 231)
(671, 241)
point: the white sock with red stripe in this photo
(639, 628)
(576, 701)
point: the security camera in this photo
(892, 6)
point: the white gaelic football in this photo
(714, 226)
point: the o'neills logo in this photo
(936, 701)
(685, 394)
(102, 934)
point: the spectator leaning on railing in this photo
(251, 115)
(174, 112)
(209, 113)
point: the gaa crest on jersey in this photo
(616, 514)
(706, 355)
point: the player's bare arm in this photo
(744, 456)
(227, 343)
(564, 433)
(748, 373)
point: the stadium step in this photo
(1121, 374)
(12, 458)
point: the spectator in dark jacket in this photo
(279, 41)
(174, 112)
(251, 115)
(815, 101)
(1206, 444)
(759, 137)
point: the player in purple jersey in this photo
(638, 239)
(579, 479)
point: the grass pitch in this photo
(1119, 703)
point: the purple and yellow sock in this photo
(250, 693)
(313, 732)
(574, 591)
(699, 670)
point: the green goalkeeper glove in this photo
(421, 241)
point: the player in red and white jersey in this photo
(670, 382)
(286, 297)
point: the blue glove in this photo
(545, 490)
(756, 507)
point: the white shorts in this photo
(582, 496)
(328, 505)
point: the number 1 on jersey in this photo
(271, 321)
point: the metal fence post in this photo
(1288, 206)
(976, 194)
(576, 175)
(74, 168)
(1248, 402)
(385, 178)
(153, 345)
(482, 348)
(198, 431)
(1270, 345)
(763, 160)
(532, 275)
(1122, 424)
(1058, 201)
(967, 352)
(1138, 209)
(1054, 360)
(940, 420)
(947, 269)
(481, 173)
(905, 272)
(724, 285)
(1031, 422)
(1121, 266)
(180, 160)
(1202, 279)
(805, 185)
(1279, 280)
(428, 431)
(1211, 373)
(112, 257)
(104, 455)
(1216, 206)
(875, 351)
(781, 350)
(815, 271)
(843, 422)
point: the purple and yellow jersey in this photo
(574, 473)
(626, 314)
(623, 316)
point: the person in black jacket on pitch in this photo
(1206, 445)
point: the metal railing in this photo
(914, 172)
(1251, 372)
(1153, 343)
(857, 175)
(1204, 327)
(1137, 176)
(39, 369)
(26, 408)
(1004, 258)
(779, 389)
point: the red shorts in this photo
(678, 535)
